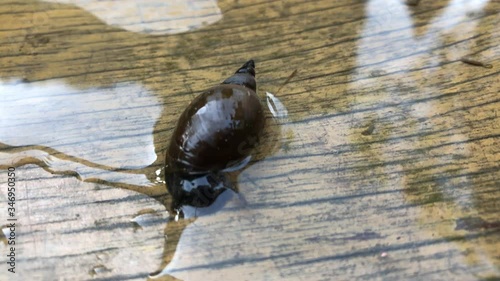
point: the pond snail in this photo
(218, 129)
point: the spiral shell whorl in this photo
(220, 127)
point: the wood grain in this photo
(387, 166)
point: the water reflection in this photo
(362, 172)
(276, 107)
(370, 156)
(414, 117)
(152, 16)
(97, 133)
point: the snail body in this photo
(218, 129)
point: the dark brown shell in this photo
(219, 128)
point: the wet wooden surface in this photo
(387, 166)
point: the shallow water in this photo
(380, 160)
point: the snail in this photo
(218, 130)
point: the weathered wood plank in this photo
(386, 168)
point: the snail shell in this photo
(218, 129)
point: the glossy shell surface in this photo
(218, 128)
(217, 131)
